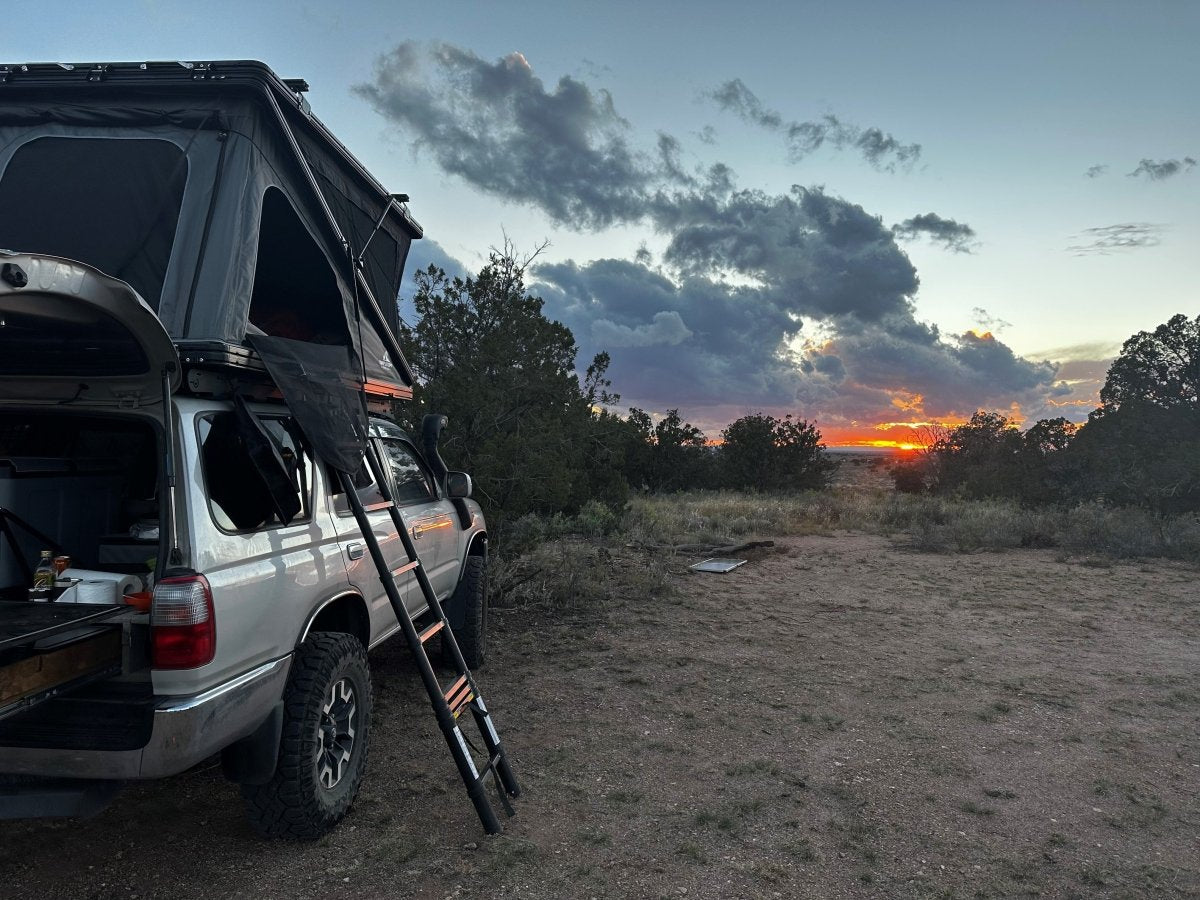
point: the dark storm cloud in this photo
(1157, 170)
(878, 148)
(955, 374)
(1115, 238)
(696, 341)
(1095, 171)
(497, 126)
(956, 236)
(673, 342)
(810, 252)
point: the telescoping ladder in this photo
(463, 695)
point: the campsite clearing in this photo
(841, 717)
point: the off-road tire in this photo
(471, 597)
(296, 804)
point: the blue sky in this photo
(1011, 105)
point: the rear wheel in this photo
(471, 597)
(323, 750)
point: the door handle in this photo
(354, 551)
(416, 531)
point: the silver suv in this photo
(258, 653)
(198, 309)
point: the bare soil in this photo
(840, 717)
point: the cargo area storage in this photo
(83, 486)
(88, 482)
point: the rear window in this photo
(237, 497)
(110, 202)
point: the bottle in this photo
(43, 577)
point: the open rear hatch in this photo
(69, 334)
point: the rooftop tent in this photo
(213, 191)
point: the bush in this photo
(762, 453)
(909, 477)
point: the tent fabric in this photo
(319, 383)
(243, 134)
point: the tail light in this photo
(183, 628)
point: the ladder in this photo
(463, 695)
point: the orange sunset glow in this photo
(900, 436)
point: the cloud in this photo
(736, 344)
(665, 330)
(713, 320)
(1157, 170)
(1089, 352)
(878, 148)
(1114, 238)
(497, 126)
(1095, 171)
(808, 252)
(956, 236)
(987, 320)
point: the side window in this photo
(364, 485)
(237, 496)
(413, 484)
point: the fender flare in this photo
(364, 616)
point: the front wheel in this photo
(471, 597)
(323, 750)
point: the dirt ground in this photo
(840, 717)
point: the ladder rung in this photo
(407, 567)
(432, 630)
(375, 507)
(459, 695)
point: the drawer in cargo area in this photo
(46, 650)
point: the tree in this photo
(675, 457)
(486, 356)
(989, 457)
(980, 457)
(1160, 367)
(1049, 474)
(1142, 446)
(763, 453)
(1141, 455)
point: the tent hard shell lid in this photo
(219, 198)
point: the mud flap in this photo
(252, 759)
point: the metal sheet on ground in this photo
(717, 565)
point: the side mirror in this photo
(458, 485)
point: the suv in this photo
(164, 422)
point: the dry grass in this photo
(934, 524)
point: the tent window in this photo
(295, 290)
(110, 202)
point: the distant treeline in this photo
(538, 440)
(1141, 447)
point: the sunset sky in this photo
(859, 213)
